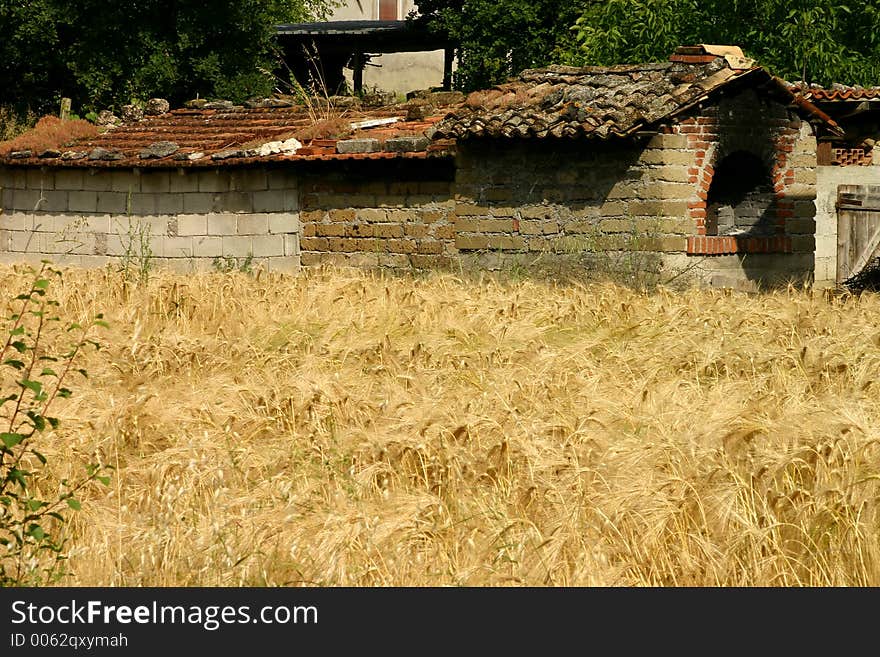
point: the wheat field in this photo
(348, 428)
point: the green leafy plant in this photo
(31, 517)
(228, 264)
(136, 260)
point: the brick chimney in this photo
(704, 54)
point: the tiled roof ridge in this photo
(836, 92)
(592, 101)
(213, 132)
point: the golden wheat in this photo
(345, 428)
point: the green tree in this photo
(105, 54)
(820, 41)
(496, 39)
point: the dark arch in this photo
(740, 197)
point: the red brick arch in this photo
(709, 149)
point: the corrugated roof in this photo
(603, 102)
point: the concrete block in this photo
(40, 179)
(282, 222)
(291, 201)
(69, 179)
(252, 224)
(54, 201)
(169, 203)
(175, 247)
(291, 244)
(96, 180)
(83, 201)
(17, 221)
(237, 246)
(141, 204)
(192, 224)
(403, 144)
(213, 181)
(222, 224)
(112, 202)
(268, 245)
(183, 181)
(95, 261)
(233, 202)
(208, 247)
(287, 264)
(280, 179)
(156, 182)
(198, 203)
(124, 181)
(97, 224)
(249, 180)
(22, 241)
(269, 201)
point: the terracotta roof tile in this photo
(603, 102)
(225, 137)
(840, 93)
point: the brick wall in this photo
(538, 199)
(183, 219)
(378, 214)
(530, 201)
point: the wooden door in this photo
(858, 228)
(388, 10)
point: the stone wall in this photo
(644, 201)
(615, 205)
(378, 214)
(183, 218)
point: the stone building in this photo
(702, 167)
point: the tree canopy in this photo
(499, 38)
(821, 41)
(105, 54)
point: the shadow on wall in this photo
(774, 231)
(741, 200)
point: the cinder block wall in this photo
(378, 214)
(828, 180)
(184, 219)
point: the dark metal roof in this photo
(364, 36)
(341, 27)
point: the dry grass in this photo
(50, 132)
(13, 123)
(340, 428)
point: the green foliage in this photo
(498, 39)
(820, 41)
(227, 264)
(31, 519)
(104, 54)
